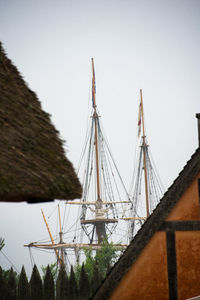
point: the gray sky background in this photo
(153, 45)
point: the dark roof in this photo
(34, 167)
(150, 227)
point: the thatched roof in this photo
(150, 227)
(33, 165)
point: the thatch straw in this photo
(33, 165)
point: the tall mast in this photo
(152, 186)
(96, 117)
(144, 147)
(100, 227)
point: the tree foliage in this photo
(23, 286)
(73, 287)
(62, 285)
(104, 259)
(53, 268)
(11, 286)
(84, 284)
(35, 285)
(82, 281)
(96, 278)
(8, 284)
(3, 284)
(49, 290)
(89, 262)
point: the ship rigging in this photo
(105, 203)
(146, 187)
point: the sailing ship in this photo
(105, 203)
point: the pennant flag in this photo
(139, 118)
(93, 85)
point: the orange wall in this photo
(187, 208)
(188, 263)
(148, 276)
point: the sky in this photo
(152, 45)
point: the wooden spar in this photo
(95, 115)
(94, 203)
(74, 246)
(51, 237)
(134, 218)
(144, 145)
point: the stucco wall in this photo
(187, 208)
(148, 276)
(188, 264)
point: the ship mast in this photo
(144, 149)
(152, 186)
(102, 207)
(100, 228)
(96, 118)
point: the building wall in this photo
(188, 263)
(187, 208)
(148, 277)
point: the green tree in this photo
(11, 286)
(96, 278)
(49, 288)
(53, 268)
(62, 285)
(89, 262)
(23, 286)
(97, 264)
(73, 288)
(3, 285)
(35, 285)
(84, 284)
(106, 257)
(77, 272)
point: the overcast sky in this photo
(153, 45)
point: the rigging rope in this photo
(9, 261)
(114, 163)
(50, 215)
(31, 258)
